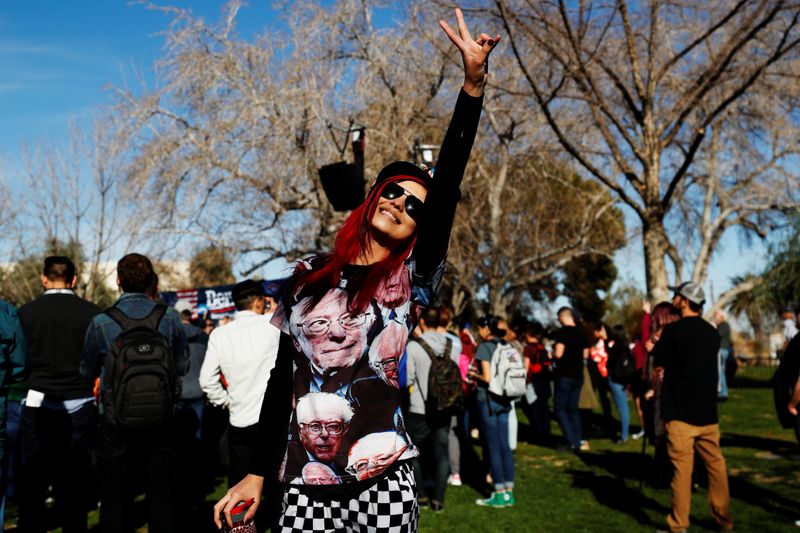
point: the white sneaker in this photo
(637, 436)
(454, 480)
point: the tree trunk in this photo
(458, 302)
(655, 248)
(498, 302)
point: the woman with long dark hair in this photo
(494, 414)
(616, 347)
(663, 314)
(331, 429)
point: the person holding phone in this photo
(386, 267)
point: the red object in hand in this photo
(238, 513)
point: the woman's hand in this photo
(474, 53)
(248, 488)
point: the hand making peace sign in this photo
(474, 53)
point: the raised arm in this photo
(434, 231)
(474, 54)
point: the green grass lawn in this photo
(599, 490)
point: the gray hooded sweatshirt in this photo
(418, 363)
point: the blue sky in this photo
(57, 58)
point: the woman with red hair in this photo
(345, 318)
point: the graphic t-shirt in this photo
(346, 423)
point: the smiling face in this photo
(329, 335)
(391, 221)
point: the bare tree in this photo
(73, 201)
(522, 222)
(677, 108)
(229, 144)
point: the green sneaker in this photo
(497, 500)
(508, 498)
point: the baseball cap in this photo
(406, 168)
(677, 288)
(693, 292)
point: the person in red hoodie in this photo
(639, 383)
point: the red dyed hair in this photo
(352, 241)
(663, 314)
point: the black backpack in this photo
(140, 384)
(624, 367)
(445, 394)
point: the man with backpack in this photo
(435, 396)
(138, 348)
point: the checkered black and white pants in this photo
(389, 506)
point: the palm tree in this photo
(755, 305)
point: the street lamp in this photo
(343, 182)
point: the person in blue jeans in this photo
(725, 353)
(615, 345)
(494, 412)
(569, 351)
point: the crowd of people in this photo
(70, 421)
(347, 401)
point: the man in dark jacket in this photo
(14, 366)
(59, 417)
(190, 417)
(687, 350)
(118, 451)
(190, 408)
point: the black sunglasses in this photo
(413, 206)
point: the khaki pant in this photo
(683, 440)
